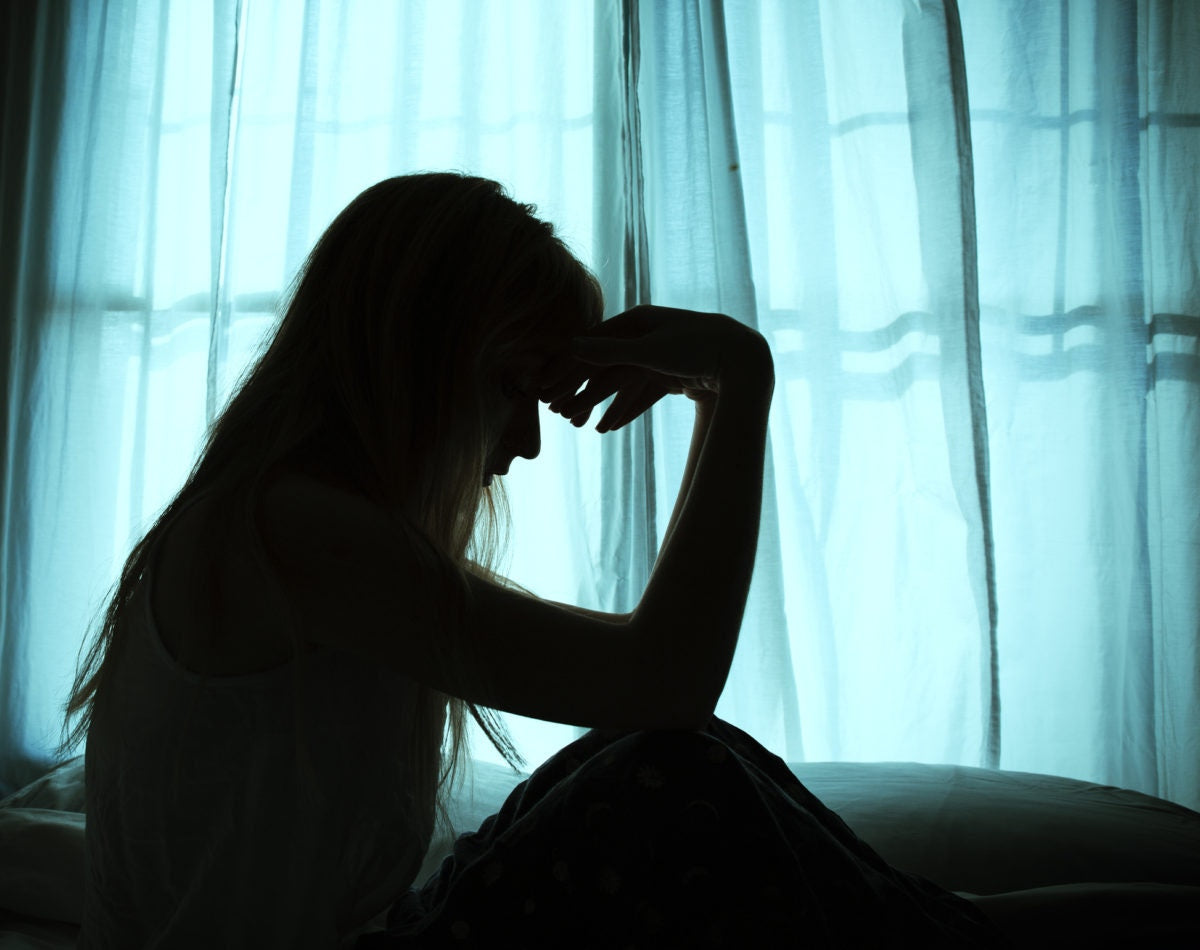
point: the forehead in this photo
(528, 361)
(543, 341)
(533, 352)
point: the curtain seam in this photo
(636, 248)
(219, 312)
(137, 481)
(975, 383)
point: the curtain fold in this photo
(628, 529)
(35, 58)
(227, 47)
(943, 168)
(1168, 126)
(968, 234)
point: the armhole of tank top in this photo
(147, 606)
(160, 649)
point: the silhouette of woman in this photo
(275, 700)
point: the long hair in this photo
(414, 290)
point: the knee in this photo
(669, 745)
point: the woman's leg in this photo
(775, 770)
(673, 839)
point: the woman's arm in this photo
(694, 601)
(703, 417)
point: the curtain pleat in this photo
(939, 125)
(144, 319)
(1116, 156)
(299, 212)
(1168, 121)
(34, 49)
(228, 23)
(628, 523)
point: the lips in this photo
(488, 476)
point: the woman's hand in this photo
(646, 352)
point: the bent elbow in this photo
(682, 682)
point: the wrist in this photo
(748, 369)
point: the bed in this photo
(971, 830)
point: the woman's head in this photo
(408, 314)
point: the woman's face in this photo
(514, 428)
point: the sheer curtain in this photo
(968, 235)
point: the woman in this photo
(266, 701)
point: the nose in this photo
(526, 435)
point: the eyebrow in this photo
(524, 380)
(531, 363)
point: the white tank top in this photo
(247, 848)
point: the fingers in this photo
(629, 404)
(566, 388)
(561, 378)
(599, 388)
(635, 391)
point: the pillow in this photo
(985, 832)
(60, 789)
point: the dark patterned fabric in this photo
(672, 839)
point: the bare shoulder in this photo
(298, 505)
(212, 608)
